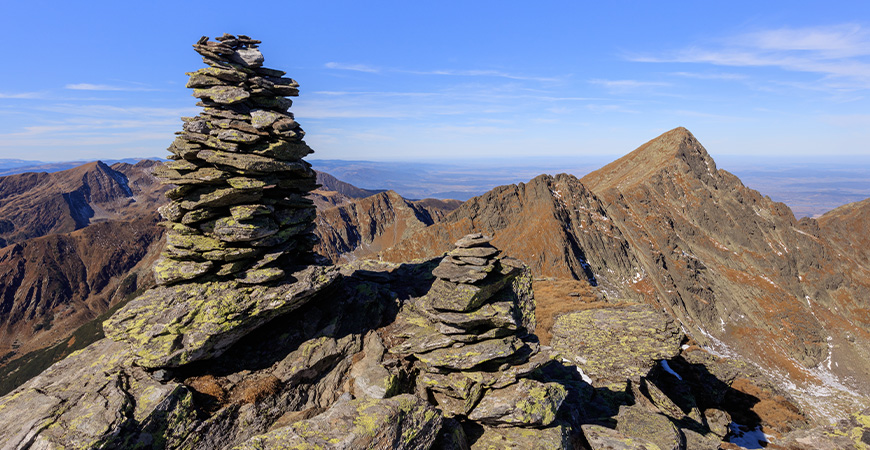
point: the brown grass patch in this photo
(210, 390)
(555, 297)
(255, 390)
(777, 414)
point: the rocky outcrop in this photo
(239, 209)
(619, 344)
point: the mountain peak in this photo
(677, 148)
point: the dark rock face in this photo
(239, 209)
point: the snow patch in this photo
(668, 369)
(747, 438)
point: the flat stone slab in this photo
(556, 437)
(616, 344)
(472, 355)
(524, 403)
(403, 422)
(174, 325)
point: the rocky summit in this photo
(239, 209)
(249, 342)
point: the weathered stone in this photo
(244, 212)
(225, 95)
(462, 274)
(90, 399)
(228, 229)
(370, 378)
(168, 271)
(476, 252)
(248, 57)
(261, 276)
(472, 240)
(556, 437)
(471, 355)
(618, 343)
(261, 118)
(490, 315)
(449, 296)
(175, 325)
(637, 422)
(403, 422)
(524, 403)
(219, 196)
(283, 150)
(250, 163)
(238, 136)
(601, 438)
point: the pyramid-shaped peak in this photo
(677, 149)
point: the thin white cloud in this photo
(23, 95)
(711, 76)
(839, 52)
(104, 87)
(628, 84)
(352, 67)
(444, 72)
(484, 73)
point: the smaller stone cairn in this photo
(470, 338)
(239, 209)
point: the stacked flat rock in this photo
(239, 209)
(469, 336)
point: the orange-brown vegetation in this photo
(559, 296)
(777, 414)
(256, 389)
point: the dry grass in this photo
(255, 390)
(208, 386)
(555, 297)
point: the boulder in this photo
(615, 344)
(402, 422)
(524, 403)
(174, 325)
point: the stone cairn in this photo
(469, 337)
(239, 208)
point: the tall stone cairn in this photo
(470, 338)
(239, 209)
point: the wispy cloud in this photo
(711, 76)
(484, 73)
(23, 95)
(837, 52)
(443, 72)
(352, 67)
(628, 84)
(105, 87)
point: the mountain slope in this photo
(37, 204)
(51, 285)
(664, 225)
(737, 268)
(367, 225)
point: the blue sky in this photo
(390, 80)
